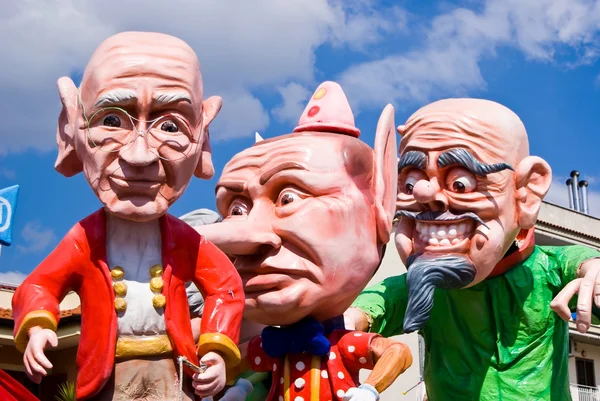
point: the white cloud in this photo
(295, 97)
(447, 62)
(559, 195)
(242, 46)
(12, 277)
(37, 238)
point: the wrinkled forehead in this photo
(441, 131)
(314, 152)
(143, 63)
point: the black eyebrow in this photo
(413, 158)
(464, 158)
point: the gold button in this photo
(159, 301)
(120, 304)
(120, 288)
(156, 284)
(156, 271)
(117, 273)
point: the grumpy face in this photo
(301, 225)
(466, 187)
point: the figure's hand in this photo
(356, 319)
(364, 392)
(212, 381)
(239, 392)
(34, 359)
(588, 288)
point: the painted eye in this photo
(238, 208)
(410, 181)
(112, 121)
(461, 181)
(286, 197)
(169, 126)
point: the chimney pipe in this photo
(584, 196)
(575, 184)
(570, 191)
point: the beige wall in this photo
(71, 301)
(392, 266)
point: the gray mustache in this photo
(430, 215)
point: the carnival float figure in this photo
(307, 216)
(138, 130)
(477, 288)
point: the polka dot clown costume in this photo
(307, 215)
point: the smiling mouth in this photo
(443, 234)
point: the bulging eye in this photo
(287, 196)
(410, 181)
(461, 180)
(169, 126)
(112, 121)
(238, 208)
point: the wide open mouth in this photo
(442, 230)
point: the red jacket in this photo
(79, 264)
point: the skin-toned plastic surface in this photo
(137, 128)
(306, 219)
(477, 287)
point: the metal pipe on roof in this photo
(575, 190)
(584, 203)
(570, 191)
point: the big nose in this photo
(138, 153)
(430, 195)
(239, 238)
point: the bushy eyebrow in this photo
(413, 158)
(233, 186)
(464, 158)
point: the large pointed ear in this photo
(67, 163)
(533, 177)
(210, 109)
(386, 173)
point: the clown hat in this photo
(328, 111)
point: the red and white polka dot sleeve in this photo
(355, 349)
(258, 358)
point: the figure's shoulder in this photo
(89, 229)
(563, 254)
(182, 230)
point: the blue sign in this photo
(8, 206)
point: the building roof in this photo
(568, 226)
(7, 286)
(65, 315)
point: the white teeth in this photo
(452, 231)
(443, 234)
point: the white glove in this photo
(364, 392)
(239, 392)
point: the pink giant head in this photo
(307, 215)
(137, 127)
(467, 190)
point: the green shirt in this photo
(498, 340)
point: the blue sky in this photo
(538, 57)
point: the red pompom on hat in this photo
(328, 111)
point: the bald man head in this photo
(138, 126)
